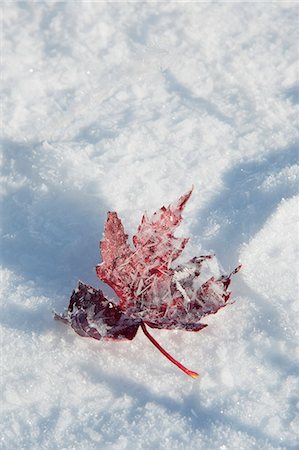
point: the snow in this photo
(122, 107)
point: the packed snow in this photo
(123, 107)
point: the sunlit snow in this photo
(123, 107)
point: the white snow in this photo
(122, 107)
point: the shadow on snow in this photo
(198, 416)
(50, 237)
(240, 210)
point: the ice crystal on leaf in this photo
(152, 291)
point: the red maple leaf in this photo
(151, 291)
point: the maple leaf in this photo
(151, 291)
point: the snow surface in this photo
(123, 106)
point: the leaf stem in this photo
(165, 353)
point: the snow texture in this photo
(122, 107)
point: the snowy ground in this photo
(123, 106)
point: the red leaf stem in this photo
(165, 353)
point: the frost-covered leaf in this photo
(152, 291)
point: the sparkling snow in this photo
(122, 107)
